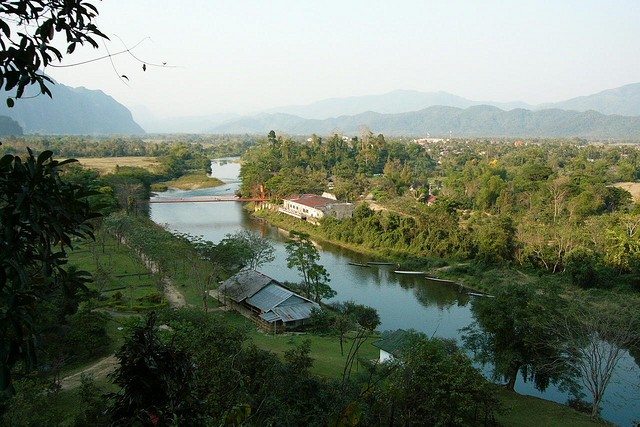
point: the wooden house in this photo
(266, 301)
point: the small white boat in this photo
(408, 272)
(435, 279)
(476, 294)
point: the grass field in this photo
(631, 187)
(121, 272)
(527, 411)
(108, 164)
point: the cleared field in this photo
(108, 164)
(631, 187)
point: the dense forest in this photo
(211, 146)
(552, 205)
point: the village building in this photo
(392, 344)
(312, 208)
(266, 301)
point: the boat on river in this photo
(435, 279)
(379, 263)
(357, 264)
(477, 294)
(409, 272)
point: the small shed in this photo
(393, 343)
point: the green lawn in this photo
(524, 411)
(125, 284)
(325, 350)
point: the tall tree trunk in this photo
(513, 376)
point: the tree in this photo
(155, 380)
(366, 321)
(258, 250)
(495, 238)
(436, 385)
(39, 216)
(509, 332)
(303, 255)
(592, 341)
(25, 53)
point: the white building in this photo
(312, 208)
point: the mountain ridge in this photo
(474, 121)
(72, 111)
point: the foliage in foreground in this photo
(40, 214)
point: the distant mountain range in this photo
(608, 114)
(624, 101)
(8, 126)
(72, 111)
(483, 120)
(611, 113)
(398, 101)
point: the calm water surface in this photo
(434, 308)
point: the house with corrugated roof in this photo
(312, 208)
(266, 301)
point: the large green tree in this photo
(303, 256)
(510, 333)
(434, 384)
(40, 215)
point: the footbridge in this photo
(205, 199)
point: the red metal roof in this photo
(312, 201)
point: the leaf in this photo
(10, 102)
(125, 77)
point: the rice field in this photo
(108, 164)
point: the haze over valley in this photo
(609, 114)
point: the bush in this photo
(88, 336)
(581, 265)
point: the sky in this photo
(243, 56)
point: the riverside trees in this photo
(538, 205)
(303, 256)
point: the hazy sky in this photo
(240, 56)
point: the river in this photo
(435, 308)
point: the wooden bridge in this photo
(205, 199)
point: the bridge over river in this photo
(204, 199)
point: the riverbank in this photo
(437, 268)
(171, 251)
(190, 181)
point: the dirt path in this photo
(173, 295)
(100, 369)
(105, 366)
